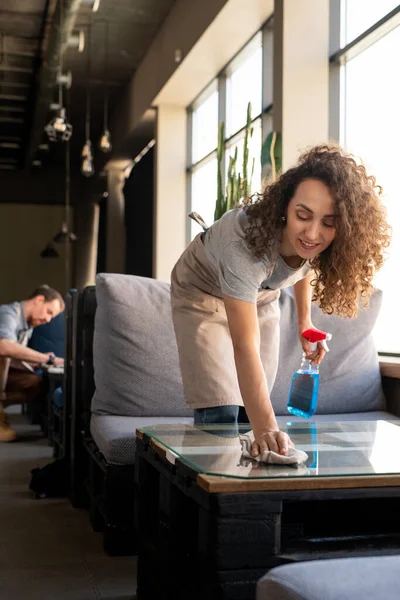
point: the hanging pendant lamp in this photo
(105, 144)
(59, 129)
(65, 236)
(87, 165)
(49, 252)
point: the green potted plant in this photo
(238, 182)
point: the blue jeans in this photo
(222, 415)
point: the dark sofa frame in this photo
(107, 490)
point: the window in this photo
(244, 86)
(240, 82)
(205, 127)
(203, 157)
(360, 15)
(204, 193)
(370, 128)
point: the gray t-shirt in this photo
(13, 324)
(241, 274)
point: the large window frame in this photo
(263, 39)
(341, 55)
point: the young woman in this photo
(320, 227)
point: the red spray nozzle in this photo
(316, 335)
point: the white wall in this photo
(301, 75)
(170, 212)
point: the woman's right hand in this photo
(271, 439)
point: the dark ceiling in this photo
(29, 44)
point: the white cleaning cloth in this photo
(293, 457)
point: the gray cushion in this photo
(349, 375)
(136, 365)
(339, 579)
(116, 436)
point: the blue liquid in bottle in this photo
(303, 394)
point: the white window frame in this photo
(340, 55)
(264, 37)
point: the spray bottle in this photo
(303, 393)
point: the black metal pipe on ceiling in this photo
(47, 76)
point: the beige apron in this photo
(202, 332)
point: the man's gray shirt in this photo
(13, 324)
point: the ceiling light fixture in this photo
(65, 79)
(59, 129)
(87, 166)
(65, 235)
(105, 144)
(49, 252)
(77, 40)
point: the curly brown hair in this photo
(344, 271)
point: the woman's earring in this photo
(283, 219)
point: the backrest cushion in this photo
(135, 353)
(349, 375)
(49, 337)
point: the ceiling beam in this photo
(13, 97)
(16, 120)
(16, 84)
(11, 69)
(17, 109)
(21, 15)
(19, 54)
(10, 138)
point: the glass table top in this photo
(334, 449)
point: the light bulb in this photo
(87, 149)
(59, 125)
(105, 144)
(59, 129)
(64, 235)
(87, 168)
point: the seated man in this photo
(18, 381)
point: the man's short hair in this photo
(49, 294)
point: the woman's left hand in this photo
(318, 355)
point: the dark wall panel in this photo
(139, 202)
